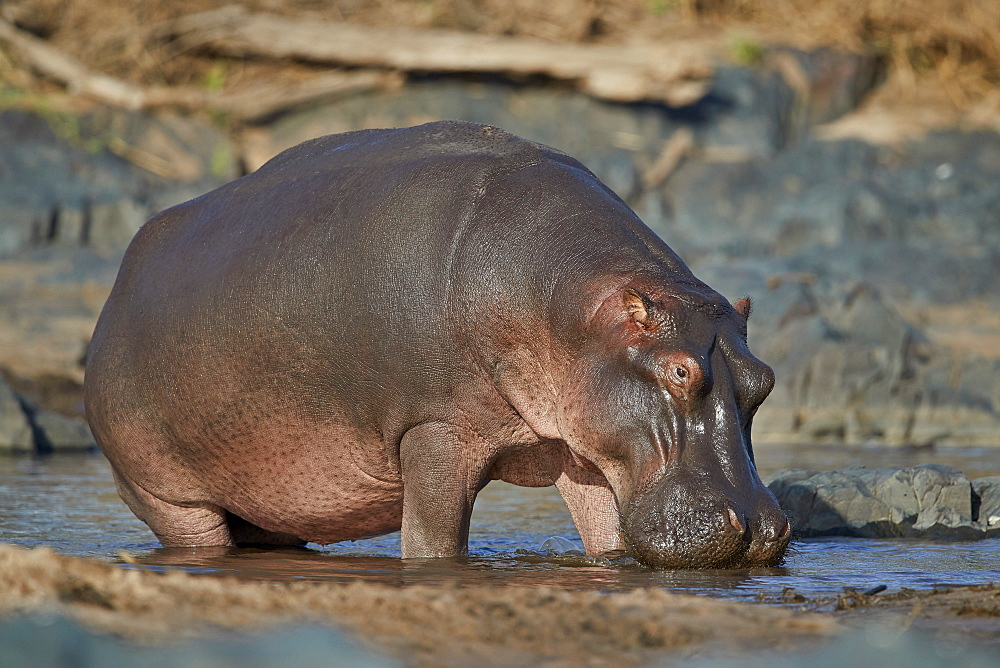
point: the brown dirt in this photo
(957, 615)
(429, 624)
(491, 624)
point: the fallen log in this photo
(250, 103)
(259, 100)
(675, 74)
(52, 63)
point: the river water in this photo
(519, 536)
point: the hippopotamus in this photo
(360, 335)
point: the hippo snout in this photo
(675, 526)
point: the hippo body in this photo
(359, 336)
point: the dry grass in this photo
(953, 45)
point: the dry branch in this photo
(253, 102)
(676, 74)
(52, 63)
(260, 100)
(675, 149)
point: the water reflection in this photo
(518, 536)
(520, 568)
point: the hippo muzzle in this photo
(678, 523)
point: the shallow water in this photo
(518, 536)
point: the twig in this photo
(674, 150)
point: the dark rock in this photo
(827, 83)
(27, 429)
(918, 502)
(112, 224)
(746, 113)
(847, 368)
(58, 434)
(77, 181)
(850, 368)
(986, 495)
(844, 209)
(177, 148)
(15, 430)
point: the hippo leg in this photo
(592, 505)
(439, 487)
(175, 526)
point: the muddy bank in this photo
(493, 625)
(420, 624)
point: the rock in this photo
(26, 429)
(827, 83)
(929, 501)
(178, 148)
(93, 180)
(745, 114)
(749, 112)
(58, 434)
(850, 368)
(558, 546)
(986, 494)
(843, 209)
(15, 430)
(846, 246)
(112, 224)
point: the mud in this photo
(420, 624)
(424, 625)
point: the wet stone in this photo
(987, 492)
(930, 501)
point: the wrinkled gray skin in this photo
(363, 333)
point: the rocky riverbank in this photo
(936, 502)
(873, 262)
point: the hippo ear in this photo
(744, 307)
(638, 306)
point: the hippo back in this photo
(364, 280)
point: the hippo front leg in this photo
(440, 480)
(592, 505)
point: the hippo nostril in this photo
(735, 521)
(777, 531)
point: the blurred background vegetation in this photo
(948, 50)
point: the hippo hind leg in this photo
(246, 534)
(174, 525)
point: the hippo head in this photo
(660, 400)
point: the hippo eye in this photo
(681, 372)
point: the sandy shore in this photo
(487, 624)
